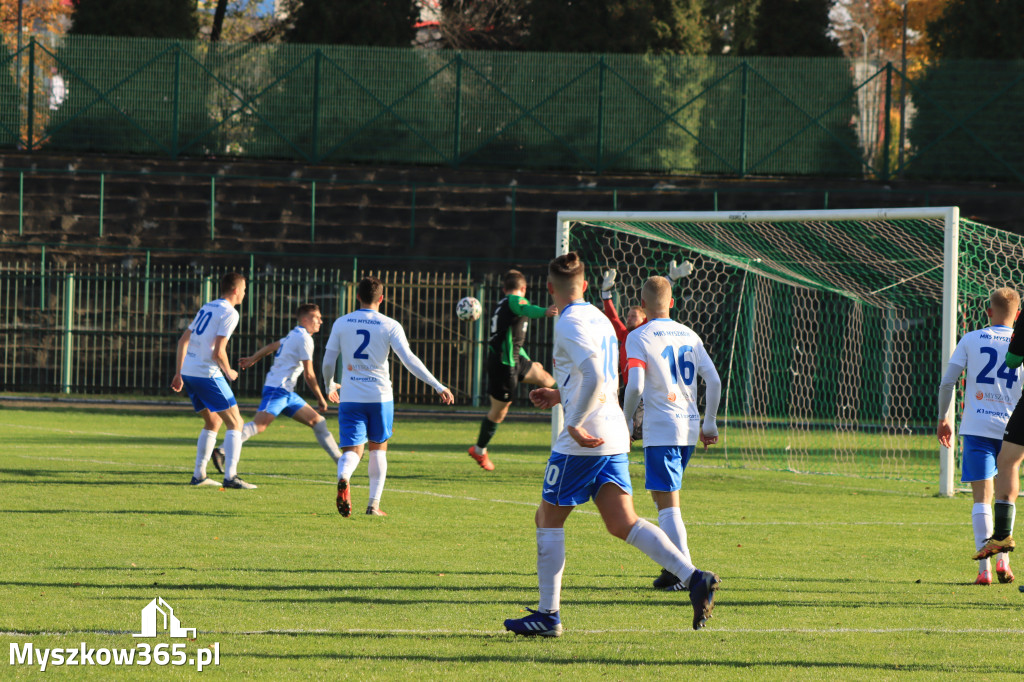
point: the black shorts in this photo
(1015, 427)
(502, 380)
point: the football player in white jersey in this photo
(293, 355)
(990, 393)
(359, 347)
(589, 457)
(203, 370)
(664, 360)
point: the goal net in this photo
(829, 329)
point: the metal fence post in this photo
(145, 292)
(312, 212)
(457, 150)
(207, 289)
(69, 307)
(213, 205)
(478, 351)
(744, 103)
(174, 103)
(316, 104)
(102, 191)
(886, 132)
(42, 277)
(600, 115)
(31, 92)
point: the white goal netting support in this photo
(829, 328)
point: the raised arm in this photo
(520, 306)
(247, 362)
(400, 345)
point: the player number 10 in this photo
(684, 372)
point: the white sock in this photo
(232, 452)
(378, 466)
(326, 440)
(204, 448)
(347, 464)
(670, 520)
(249, 430)
(550, 564)
(653, 542)
(981, 521)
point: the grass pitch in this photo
(823, 576)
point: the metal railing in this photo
(598, 113)
(99, 329)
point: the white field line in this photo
(463, 631)
(466, 498)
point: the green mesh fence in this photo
(780, 116)
(827, 334)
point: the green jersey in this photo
(509, 323)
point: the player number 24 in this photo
(1004, 372)
(684, 371)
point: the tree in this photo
(978, 29)
(389, 23)
(482, 24)
(793, 28)
(136, 18)
(617, 26)
(968, 109)
(236, 21)
(731, 25)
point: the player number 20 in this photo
(684, 371)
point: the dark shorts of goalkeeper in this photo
(503, 380)
(1015, 426)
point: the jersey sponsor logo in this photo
(350, 369)
(990, 413)
(671, 397)
(979, 395)
(368, 379)
(359, 320)
(601, 397)
(671, 333)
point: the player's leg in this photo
(1006, 487)
(560, 494)
(501, 387)
(196, 389)
(538, 376)
(233, 448)
(258, 425)
(978, 467)
(614, 501)
(352, 423)
(311, 418)
(379, 429)
(664, 467)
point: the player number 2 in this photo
(1004, 372)
(359, 354)
(684, 372)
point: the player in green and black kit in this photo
(507, 362)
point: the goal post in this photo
(822, 323)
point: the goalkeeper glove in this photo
(676, 272)
(608, 283)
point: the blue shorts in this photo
(209, 393)
(279, 400)
(665, 465)
(978, 460)
(570, 480)
(361, 422)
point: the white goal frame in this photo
(950, 215)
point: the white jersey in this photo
(216, 318)
(295, 348)
(672, 356)
(992, 389)
(581, 332)
(359, 347)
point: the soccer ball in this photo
(468, 309)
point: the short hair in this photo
(1005, 300)
(369, 290)
(307, 309)
(512, 280)
(230, 282)
(567, 269)
(657, 293)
